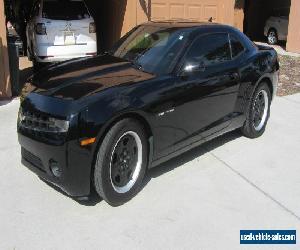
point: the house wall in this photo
(114, 18)
(239, 14)
(5, 90)
(293, 43)
(139, 11)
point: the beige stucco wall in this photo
(200, 10)
(5, 90)
(293, 43)
(139, 11)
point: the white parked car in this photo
(276, 29)
(59, 30)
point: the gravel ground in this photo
(289, 79)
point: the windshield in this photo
(152, 49)
(64, 10)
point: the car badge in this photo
(68, 27)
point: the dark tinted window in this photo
(153, 49)
(210, 49)
(236, 47)
(64, 10)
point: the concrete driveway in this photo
(199, 200)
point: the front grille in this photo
(35, 121)
(39, 126)
(31, 158)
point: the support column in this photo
(239, 14)
(5, 89)
(226, 12)
(293, 40)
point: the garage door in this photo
(200, 10)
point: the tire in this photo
(110, 172)
(254, 127)
(272, 37)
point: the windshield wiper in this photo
(137, 65)
(135, 61)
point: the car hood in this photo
(79, 78)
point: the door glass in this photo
(236, 47)
(210, 50)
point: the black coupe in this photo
(164, 88)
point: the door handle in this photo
(234, 76)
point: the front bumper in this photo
(75, 164)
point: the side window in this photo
(210, 49)
(236, 47)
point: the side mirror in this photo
(193, 67)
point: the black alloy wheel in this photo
(125, 163)
(258, 112)
(121, 162)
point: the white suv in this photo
(276, 27)
(59, 30)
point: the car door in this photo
(206, 89)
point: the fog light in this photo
(55, 168)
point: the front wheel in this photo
(258, 112)
(121, 162)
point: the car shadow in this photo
(90, 200)
(93, 199)
(190, 155)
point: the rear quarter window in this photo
(237, 48)
(210, 49)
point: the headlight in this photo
(41, 123)
(59, 125)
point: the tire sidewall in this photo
(102, 168)
(253, 133)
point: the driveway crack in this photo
(256, 187)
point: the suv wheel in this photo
(121, 162)
(272, 37)
(258, 112)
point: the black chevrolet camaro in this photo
(164, 88)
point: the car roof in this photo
(197, 28)
(184, 23)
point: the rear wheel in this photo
(272, 37)
(258, 112)
(121, 162)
